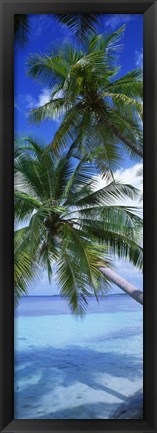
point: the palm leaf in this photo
(81, 25)
(21, 30)
(113, 191)
(25, 269)
(130, 84)
(124, 101)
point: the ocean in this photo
(68, 367)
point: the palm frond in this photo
(112, 44)
(113, 191)
(124, 101)
(51, 110)
(21, 30)
(81, 25)
(47, 70)
(130, 84)
(26, 269)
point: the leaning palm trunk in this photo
(128, 288)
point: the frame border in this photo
(8, 8)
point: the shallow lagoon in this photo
(67, 367)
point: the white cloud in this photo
(139, 58)
(44, 97)
(117, 20)
(130, 175)
(28, 102)
(127, 176)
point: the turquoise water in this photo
(66, 367)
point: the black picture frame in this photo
(7, 423)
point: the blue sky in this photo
(28, 94)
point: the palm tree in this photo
(97, 111)
(70, 221)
